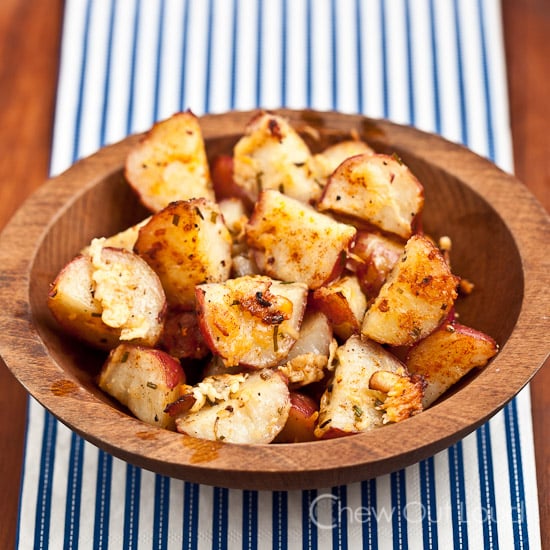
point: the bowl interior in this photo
(452, 208)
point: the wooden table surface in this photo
(29, 54)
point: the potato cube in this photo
(293, 242)
(108, 296)
(143, 379)
(238, 408)
(415, 299)
(252, 320)
(348, 405)
(186, 243)
(377, 189)
(448, 354)
(271, 155)
(170, 163)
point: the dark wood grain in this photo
(29, 58)
(527, 32)
(29, 42)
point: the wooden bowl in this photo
(500, 240)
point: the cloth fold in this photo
(438, 65)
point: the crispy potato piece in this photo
(170, 164)
(108, 296)
(403, 394)
(143, 379)
(322, 165)
(348, 404)
(72, 303)
(293, 242)
(415, 299)
(377, 189)
(252, 321)
(344, 304)
(186, 243)
(271, 155)
(448, 354)
(238, 408)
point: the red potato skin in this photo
(377, 261)
(336, 308)
(203, 324)
(301, 420)
(173, 371)
(182, 337)
(221, 172)
(469, 331)
(347, 170)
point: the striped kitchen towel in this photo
(435, 64)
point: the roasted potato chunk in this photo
(415, 299)
(170, 164)
(186, 243)
(448, 354)
(109, 296)
(348, 405)
(237, 408)
(271, 155)
(377, 189)
(252, 321)
(293, 242)
(145, 380)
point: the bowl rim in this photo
(281, 466)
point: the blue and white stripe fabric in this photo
(435, 64)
